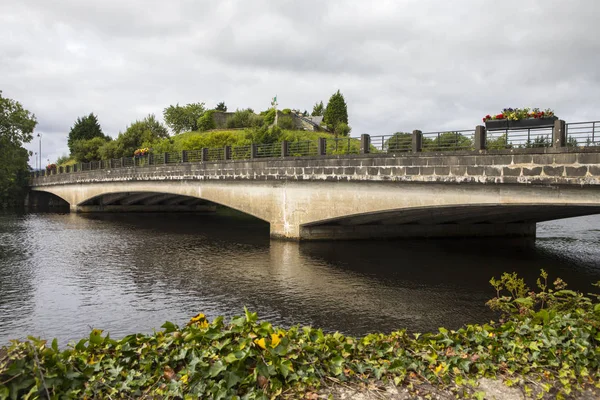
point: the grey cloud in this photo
(401, 65)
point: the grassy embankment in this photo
(546, 344)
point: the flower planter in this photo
(505, 124)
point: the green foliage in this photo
(285, 122)
(547, 344)
(499, 143)
(269, 116)
(85, 128)
(336, 111)
(318, 109)
(206, 122)
(286, 111)
(572, 142)
(183, 118)
(342, 129)
(16, 127)
(144, 133)
(539, 141)
(447, 141)
(221, 107)
(400, 141)
(264, 135)
(88, 150)
(244, 119)
(63, 160)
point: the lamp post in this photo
(36, 161)
(40, 136)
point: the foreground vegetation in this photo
(546, 343)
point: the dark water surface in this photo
(62, 274)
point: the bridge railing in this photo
(575, 134)
(583, 134)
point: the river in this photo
(63, 274)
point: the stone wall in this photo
(525, 167)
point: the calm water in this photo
(62, 274)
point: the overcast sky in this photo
(401, 65)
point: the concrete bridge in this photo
(436, 194)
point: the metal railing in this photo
(448, 140)
(396, 143)
(583, 134)
(576, 134)
(519, 138)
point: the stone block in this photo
(588, 158)
(475, 171)
(328, 170)
(349, 170)
(533, 171)
(565, 158)
(427, 170)
(506, 171)
(459, 170)
(594, 170)
(576, 171)
(523, 159)
(412, 170)
(442, 171)
(543, 159)
(398, 171)
(553, 171)
(373, 170)
(502, 159)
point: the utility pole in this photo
(40, 136)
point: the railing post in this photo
(480, 137)
(322, 147)
(417, 141)
(559, 134)
(204, 154)
(285, 148)
(60, 170)
(166, 158)
(253, 150)
(227, 153)
(122, 162)
(184, 156)
(365, 144)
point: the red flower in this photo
(500, 116)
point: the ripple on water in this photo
(60, 275)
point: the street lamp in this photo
(36, 160)
(40, 136)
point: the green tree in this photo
(16, 127)
(447, 141)
(207, 122)
(400, 141)
(139, 134)
(221, 107)
(318, 109)
(342, 129)
(88, 150)
(85, 128)
(183, 118)
(336, 111)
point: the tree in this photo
(207, 122)
(16, 127)
(88, 150)
(85, 128)
(318, 109)
(400, 141)
(336, 111)
(183, 118)
(342, 129)
(139, 134)
(221, 107)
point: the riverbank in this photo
(546, 345)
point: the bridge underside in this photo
(451, 221)
(350, 210)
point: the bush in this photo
(342, 129)
(286, 122)
(240, 119)
(269, 116)
(88, 150)
(206, 122)
(286, 111)
(400, 141)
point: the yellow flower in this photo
(261, 343)
(184, 378)
(198, 318)
(203, 324)
(275, 339)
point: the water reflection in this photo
(62, 274)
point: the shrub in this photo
(240, 119)
(286, 111)
(269, 116)
(206, 122)
(286, 122)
